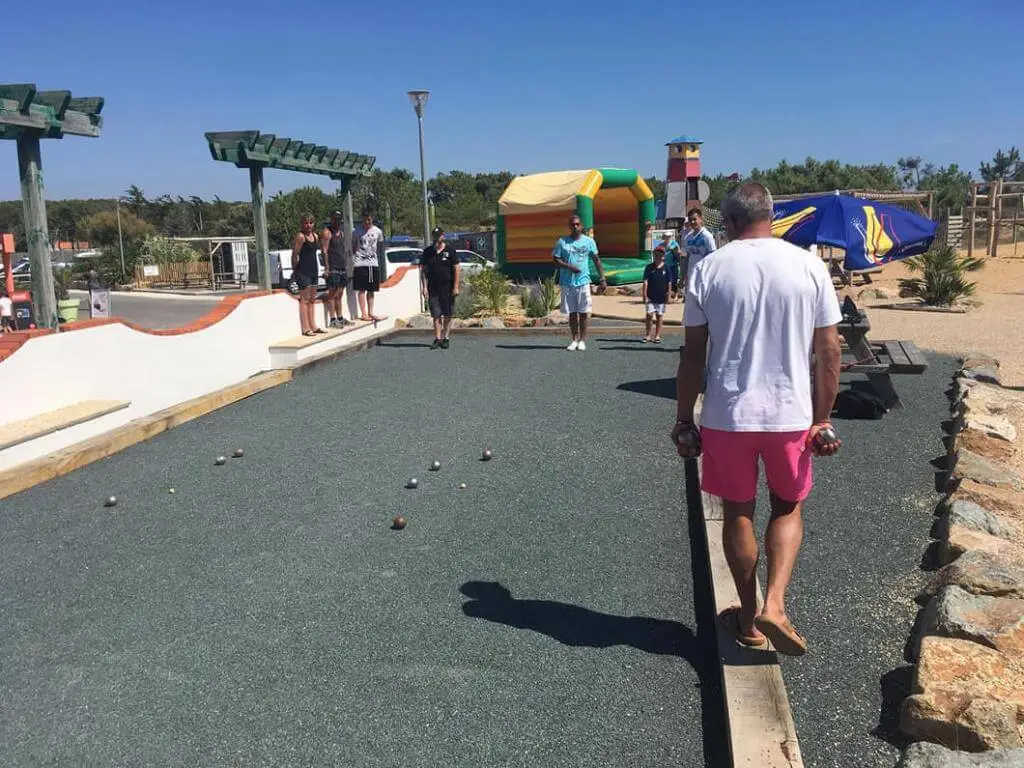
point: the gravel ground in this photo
(866, 529)
(265, 614)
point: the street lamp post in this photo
(419, 102)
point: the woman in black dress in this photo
(306, 271)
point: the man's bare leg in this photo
(584, 316)
(369, 306)
(574, 325)
(741, 553)
(363, 314)
(437, 329)
(657, 326)
(647, 326)
(446, 326)
(782, 543)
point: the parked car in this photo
(472, 262)
(401, 256)
(281, 268)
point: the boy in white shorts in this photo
(572, 254)
(657, 279)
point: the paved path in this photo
(265, 614)
(154, 312)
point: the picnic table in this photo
(878, 360)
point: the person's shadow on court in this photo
(577, 626)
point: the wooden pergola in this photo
(256, 151)
(28, 115)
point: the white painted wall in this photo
(115, 362)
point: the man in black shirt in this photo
(439, 277)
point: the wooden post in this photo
(30, 169)
(993, 189)
(259, 220)
(970, 226)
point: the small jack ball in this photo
(413, 483)
(220, 461)
(110, 502)
(488, 454)
(462, 486)
(239, 453)
(171, 490)
(435, 465)
(398, 523)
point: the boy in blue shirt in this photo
(572, 254)
(655, 293)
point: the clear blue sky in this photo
(529, 86)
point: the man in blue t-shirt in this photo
(572, 254)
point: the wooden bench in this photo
(877, 360)
(23, 430)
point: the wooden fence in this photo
(193, 274)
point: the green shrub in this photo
(465, 303)
(491, 288)
(533, 301)
(163, 250)
(942, 280)
(62, 283)
(549, 293)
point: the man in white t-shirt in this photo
(698, 242)
(6, 312)
(366, 277)
(757, 313)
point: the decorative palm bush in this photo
(549, 293)
(532, 299)
(943, 277)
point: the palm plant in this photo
(943, 277)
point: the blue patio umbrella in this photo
(870, 232)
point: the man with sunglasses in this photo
(572, 254)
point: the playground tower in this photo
(681, 191)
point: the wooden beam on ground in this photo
(760, 726)
(23, 430)
(74, 457)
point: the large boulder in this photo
(971, 466)
(960, 539)
(979, 573)
(493, 322)
(924, 754)
(997, 622)
(421, 322)
(1005, 501)
(557, 318)
(968, 514)
(965, 695)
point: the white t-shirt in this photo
(364, 242)
(761, 299)
(6, 306)
(697, 245)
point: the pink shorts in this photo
(729, 466)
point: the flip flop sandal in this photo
(308, 333)
(783, 636)
(730, 619)
(319, 330)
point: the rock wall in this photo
(968, 690)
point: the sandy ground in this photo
(995, 326)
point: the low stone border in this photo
(913, 307)
(968, 689)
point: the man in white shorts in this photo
(572, 254)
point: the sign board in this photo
(703, 191)
(150, 270)
(99, 302)
(240, 260)
(675, 200)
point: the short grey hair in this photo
(746, 204)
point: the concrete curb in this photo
(758, 719)
(665, 322)
(114, 295)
